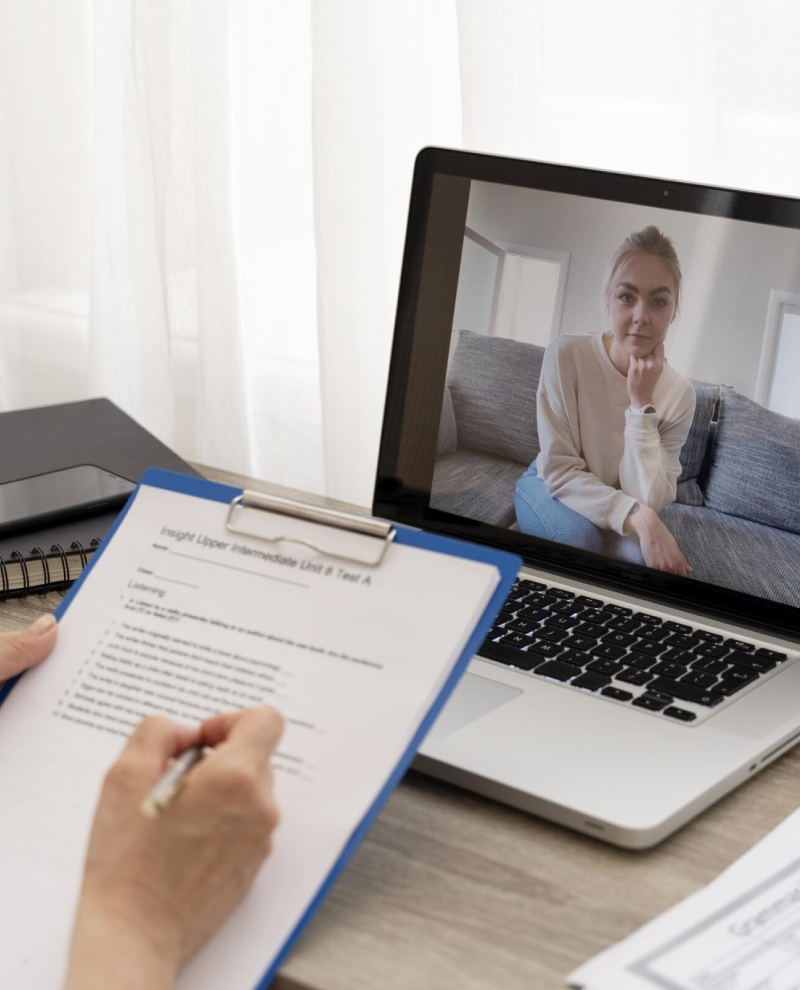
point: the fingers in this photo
(255, 731)
(21, 650)
(153, 743)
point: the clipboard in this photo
(246, 513)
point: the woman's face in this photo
(642, 303)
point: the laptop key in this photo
(546, 649)
(577, 657)
(589, 602)
(678, 656)
(610, 667)
(716, 651)
(522, 625)
(565, 607)
(519, 640)
(650, 620)
(558, 671)
(688, 692)
(619, 638)
(648, 648)
(509, 655)
(651, 702)
(609, 652)
(561, 593)
(740, 645)
(541, 600)
(680, 713)
(632, 675)
(599, 616)
(532, 612)
(560, 621)
(700, 677)
(591, 629)
(678, 627)
(752, 661)
(682, 641)
(709, 637)
(670, 669)
(617, 693)
(624, 625)
(734, 680)
(551, 635)
(579, 643)
(619, 610)
(771, 654)
(531, 585)
(640, 660)
(517, 594)
(591, 681)
(710, 665)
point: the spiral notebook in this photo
(49, 438)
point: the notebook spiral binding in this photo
(38, 572)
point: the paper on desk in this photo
(180, 618)
(741, 932)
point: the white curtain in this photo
(202, 202)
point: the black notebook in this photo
(48, 438)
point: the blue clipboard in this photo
(507, 566)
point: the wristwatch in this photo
(645, 409)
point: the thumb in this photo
(20, 650)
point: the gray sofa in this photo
(737, 512)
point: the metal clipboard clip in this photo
(359, 539)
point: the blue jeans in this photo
(539, 514)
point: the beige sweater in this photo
(597, 456)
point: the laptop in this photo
(646, 662)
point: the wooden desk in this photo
(451, 891)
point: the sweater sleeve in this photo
(650, 464)
(560, 463)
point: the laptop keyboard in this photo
(671, 668)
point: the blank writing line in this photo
(244, 570)
(186, 584)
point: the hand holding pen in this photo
(156, 888)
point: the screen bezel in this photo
(401, 502)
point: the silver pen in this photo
(173, 780)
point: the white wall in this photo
(45, 125)
(728, 270)
(528, 291)
(476, 285)
(785, 397)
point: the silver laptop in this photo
(599, 372)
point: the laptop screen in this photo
(602, 372)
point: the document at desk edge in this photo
(140, 618)
(739, 932)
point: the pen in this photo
(173, 780)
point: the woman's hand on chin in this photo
(657, 544)
(643, 375)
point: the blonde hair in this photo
(647, 241)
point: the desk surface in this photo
(450, 890)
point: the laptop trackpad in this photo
(473, 698)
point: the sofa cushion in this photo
(476, 486)
(694, 450)
(736, 553)
(755, 466)
(448, 435)
(493, 383)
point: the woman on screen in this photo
(613, 417)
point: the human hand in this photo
(643, 375)
(658, 545)
(154, 890)
(21, 650)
